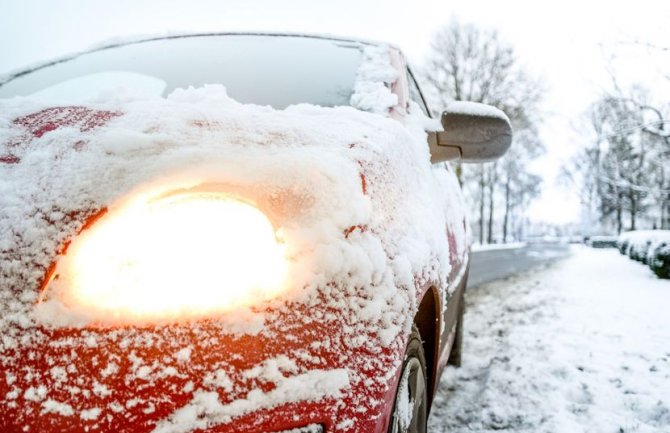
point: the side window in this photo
(415, 94)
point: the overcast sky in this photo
(568, 43)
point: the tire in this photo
(412, 388)
(456, 348)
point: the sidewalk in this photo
(581, 346)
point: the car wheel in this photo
(410, 409)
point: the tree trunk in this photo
(481, 205)
(633, 210)
(619, 217)
(489, 238)
(507, 209)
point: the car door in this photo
(456, 233)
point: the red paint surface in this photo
(9, 159)
(53, 118)
(210, 350)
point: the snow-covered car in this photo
(285, 253)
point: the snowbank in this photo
(579, 347)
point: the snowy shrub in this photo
(622, 245)
(651, 247)
(639, 251)
(659, 260)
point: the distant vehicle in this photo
(602, 241)
(262, 259)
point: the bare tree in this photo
(467, 63)
(648, 126)
(624, 170)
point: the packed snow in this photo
(353, 193)
(581, 346)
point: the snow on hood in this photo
(332, 169)
(353, 192)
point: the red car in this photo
(230, 233)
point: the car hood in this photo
(352, 192)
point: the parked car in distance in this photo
(231, 233)
(602, 241)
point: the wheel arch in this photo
(427, 320)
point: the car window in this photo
(415, 94)
(260, 69)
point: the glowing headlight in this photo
(184, 255)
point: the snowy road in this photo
(495, 264)
(582, 345)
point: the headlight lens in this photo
(178, 256)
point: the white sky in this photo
(567, 42)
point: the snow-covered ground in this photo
(581, 346)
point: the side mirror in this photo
(473, 132)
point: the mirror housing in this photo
(473, 132)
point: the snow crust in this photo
(476, 109)
(578, 347)
(360, 208)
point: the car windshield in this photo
(261, 69)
